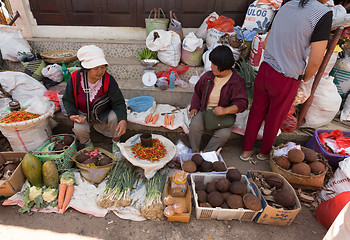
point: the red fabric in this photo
(327, 211)
(274, 94)
(223, 24)
(177, 70)
(337, 135)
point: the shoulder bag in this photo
(212, 121)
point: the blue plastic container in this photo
(315, 144)
(141, 104)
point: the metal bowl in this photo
(149, 62)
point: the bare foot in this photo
(246, 154)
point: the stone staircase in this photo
(124, 67)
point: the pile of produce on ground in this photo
(152, 154)
(198, 164)
(93, 158)
(18, 116)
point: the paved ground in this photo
(75, 225)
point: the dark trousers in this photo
(274, 94)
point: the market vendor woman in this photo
(99, 85)
(223, 91)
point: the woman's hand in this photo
(77, 118)
(121, 128)
(193, 113)
(219, 110)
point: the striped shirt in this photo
(289, 40)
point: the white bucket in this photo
(60, 95)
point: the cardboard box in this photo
(271, 215)
(184, 217)
(17, 179)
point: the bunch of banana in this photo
(146, 53)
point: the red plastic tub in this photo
(315, 144)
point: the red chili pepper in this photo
(152, 154)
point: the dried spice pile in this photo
(152, 154)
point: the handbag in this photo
(157, 22)
(175, 25)
(101, 107)
(212, 121)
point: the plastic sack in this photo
(167, 44)
(339, 230)
(53, 96)
(53, 72)
(257, 51)
(202, 30)
(328, 211)
(289, 124)
(12, 42)
(339, 183)
(178, 71)
(38, 105)
(325, 105)
(345, 113)
(258, 15)
(274, 4)
(218, 27)
(191, 42)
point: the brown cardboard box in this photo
(184, 217)
(16, 181)
(271, 215)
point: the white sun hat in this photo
(91, 56)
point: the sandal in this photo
(261, 158)
(245, 159)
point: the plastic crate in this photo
(315, 144)
(140, 104)
(188, 156)
(219, 213)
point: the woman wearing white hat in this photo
(93, 88)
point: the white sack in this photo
(340, 182)
(258, 16)
(202, 30)
(191, 42)
(345, 113)
(21, 86)
(38, 105)
(12, 42)
(168, 46)
(325, 105)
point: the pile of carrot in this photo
(65, 190)
(152, 119)
(169, 120)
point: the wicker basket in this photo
(56, 56)
(298, 180)
(98, 173)
(62, 158)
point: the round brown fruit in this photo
(197, 159)
(59, 147)
(215, 199)
(202, 196)
(317, 167)
(252, 202)
(233, 175)
(284, 198)
(92, 160)
(238, 187)
(283, 162)
(235, 201)
(219, 166)
(274, 181)
(105, 160)
(10, 167)
(301, 168)
(81, 157)
(295, 155)
(223, 185)
(310, 155)
(199, 186)
(189, 166)
(68, 140)
(210, 187)
(226, 195)
(206, 166)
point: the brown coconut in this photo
(189, 166)
(202, 196)
(226, 195)
(210, 187)
(238, 187)
(283, 162)
(301, 168)
(274, 181)
(68, 140)
(223, 185)
(224, 205)
(317, 167)
(59, 147)
(219, 166)
(252, 202)
(310, 155)
(284, 198)
(215, 199)
(92, 160)
(81, 157)
(206, 166)
(233, 175)
(197, 159)
(235, 201)
(295, 155)
(199, 186)
(104, 160)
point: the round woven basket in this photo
(58, 56)
(98, 173)
(295, 179)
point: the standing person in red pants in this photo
(301, 27)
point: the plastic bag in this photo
(178, 71)
(167, 44)
(162, 83)
(53, 72)
(257, 51)
(339, 183)
(12, 42)
(38, 105)
(191, 42)
(218, 27)
(53, 96)
(181, 83)
(202, 30)
(289, 124)
(345, 113)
